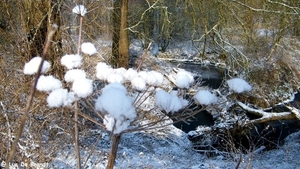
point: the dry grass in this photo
(48, 130)
(42, 125)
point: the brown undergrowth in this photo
(46, 130)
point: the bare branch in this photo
(285, 5)
(295, 111)
(265, 10)
(31, 95)
(266, 116)
(142, 17)
(208, 32)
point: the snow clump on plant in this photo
(238, 85)
(169, 102)
(48, 83)
(60, 97)
(71, 61)
(117, 105)
(79, 10)
(32, 66)
(114, 77)
(73, 74)
(184, 79)
(88, 48)
(130, 74)
(117, 126)
(103, 71)
(83, 87)
(138, 83)
(205, 97)
(152, 78)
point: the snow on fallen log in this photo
(267, 116)
(295, 111)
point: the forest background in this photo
(258, 39)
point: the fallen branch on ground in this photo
(268, 116)
(295, 111)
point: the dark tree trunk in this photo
(120, 44)
(40, 16)
(36, 13)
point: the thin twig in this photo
(77, 152)
(91, 119)
(30, 98)
(94, 146)
(79, 34)
(151, 125)
(265, 10)
(76, 135)
(239, 162)
(144, 56)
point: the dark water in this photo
(202, 118)
(296, 102)
(270, 134)
(210, 76)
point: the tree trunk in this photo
(40, 16)
(120, 46)
(113, 151)
(36, 25)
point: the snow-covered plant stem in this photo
(76, 135)
(76, 103)
(79, 34)
(30, 98)
(115, 139)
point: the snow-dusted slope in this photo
(169, 148)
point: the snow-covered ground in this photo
(169, 148)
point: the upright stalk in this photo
(79, 34)
(30, 98)
(76, 136)
(76, 103)
(113, 150)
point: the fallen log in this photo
(269, 116)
